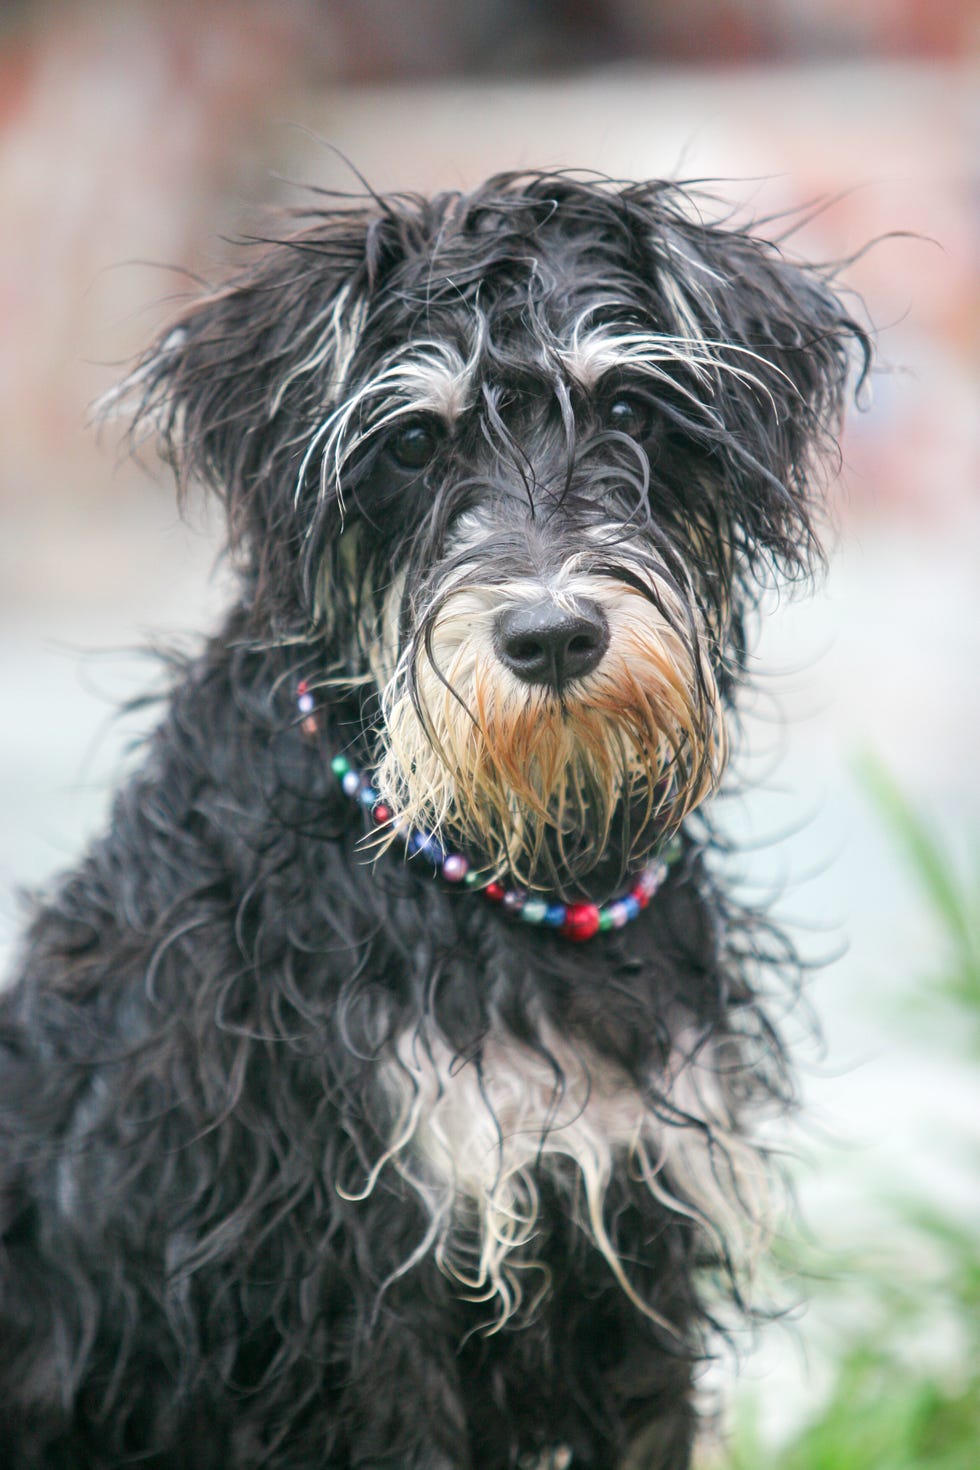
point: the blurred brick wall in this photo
(121, 127)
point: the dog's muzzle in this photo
(552, 726)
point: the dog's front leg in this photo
(407, 1410)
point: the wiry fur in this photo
(477, 1132)
(308, 1159)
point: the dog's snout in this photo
(543, 643)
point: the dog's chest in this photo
(475, 1136)
(478, 1125)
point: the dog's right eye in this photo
(414, 444)
(628, 414)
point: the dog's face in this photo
(522, 458)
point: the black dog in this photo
(379, 1090)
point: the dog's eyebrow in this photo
(437, 378)
(593, 352)
(431, 376)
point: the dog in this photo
(383, 1088)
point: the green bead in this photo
(605, 920)
(340, 765)
(534, 911)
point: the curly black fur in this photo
(193, 1094)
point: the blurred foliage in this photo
(954, 901)
(904, 1388)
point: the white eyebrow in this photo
(591, 352)
(427, 376)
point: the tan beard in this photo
(535, 782)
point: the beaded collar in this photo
(575, 921)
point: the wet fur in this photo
(308, 1159)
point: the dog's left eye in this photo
(414, 444)
(629, 415)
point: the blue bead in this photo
(631, 906)
(554, 915)
(426, 844)
(367, 796)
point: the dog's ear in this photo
(788, 351)
(233, 390)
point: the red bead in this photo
(495, 892)
(581, 921)
(309, 725)
(302, 687)
(381, 813)
(641, 896)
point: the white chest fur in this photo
(473, 1135)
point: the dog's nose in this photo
(543, 643)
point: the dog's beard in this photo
(552, 787)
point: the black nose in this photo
(547, 644)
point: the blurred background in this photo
(138, 138)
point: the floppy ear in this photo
(233, 391)
(787, 350)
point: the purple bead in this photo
(617, 914)
(455, 868)
(351, 783)
(514, 900)
(650, 879)
(306, 704)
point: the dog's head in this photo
(521, 459)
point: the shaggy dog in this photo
(380, 1090)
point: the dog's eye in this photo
(629, 415)
(415, 443)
